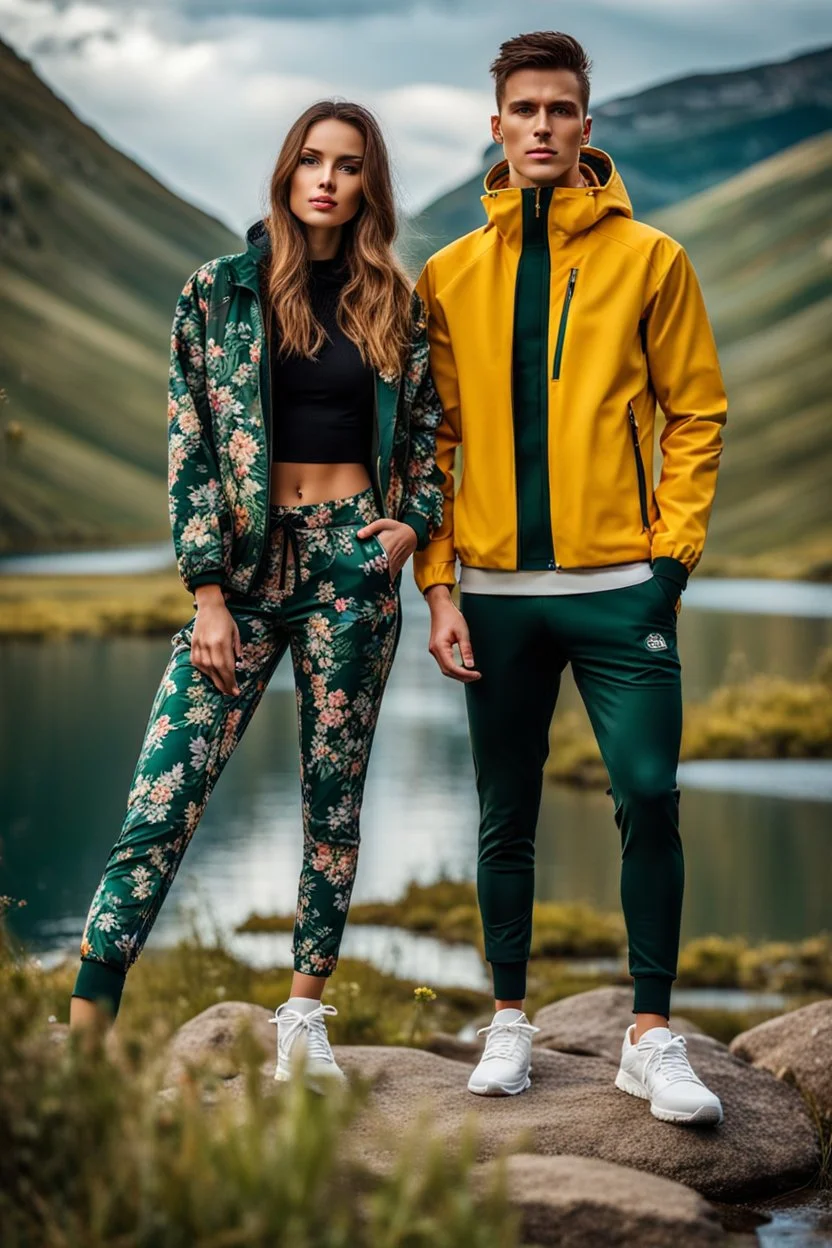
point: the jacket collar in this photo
(571, 210)
(244, 267)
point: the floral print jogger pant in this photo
(329, 597)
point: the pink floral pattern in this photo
(339, 614)
(218, 447)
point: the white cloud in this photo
(204, 101)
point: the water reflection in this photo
(75, 711)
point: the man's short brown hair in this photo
(543, 49)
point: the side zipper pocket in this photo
(642, 484)
(564, 317)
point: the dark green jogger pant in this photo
(621, 644)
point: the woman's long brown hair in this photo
(374, 309)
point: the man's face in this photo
(541, 125)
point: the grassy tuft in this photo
(803, 966)
(44, 607)
(96, 1153)
(447, 909)
(757, 717)
(167, 987)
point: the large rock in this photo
(593, 1023)
(211, 1039)
(798, 1043)
(579, 1202)
(765, 1146)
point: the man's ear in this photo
(496, 129)
(587, 129)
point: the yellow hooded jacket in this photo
(554, 331)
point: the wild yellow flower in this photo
(424, 994)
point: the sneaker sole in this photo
(318, 1082)
(498, 1089)
(705, 1116)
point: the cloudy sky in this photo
(201, 92)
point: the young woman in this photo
(302, 422)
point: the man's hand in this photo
(447, 629)
(400, 544)
(215, 643)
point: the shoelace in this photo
(503, 1037)
(317, 1044)
(671, 1060)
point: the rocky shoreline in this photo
(589, 1165)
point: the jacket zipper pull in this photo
(537, 201)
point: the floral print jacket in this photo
(219, 426)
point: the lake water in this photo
(757, 838)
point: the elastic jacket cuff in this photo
(429, 574)
(100, 981)
(214, 577)
(670, 569)
(419, 525)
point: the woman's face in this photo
(327, 185)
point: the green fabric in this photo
(207, 578)
(219, 464)
(621, 644)
(530, 386)
(98, 981)
(340, 618)
(671, 570)
(419, 525)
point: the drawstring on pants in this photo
(290, 538)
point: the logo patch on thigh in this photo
(654, 641)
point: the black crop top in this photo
(322, 409)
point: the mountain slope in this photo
(671, 141)
(93, 252)
(762, 246)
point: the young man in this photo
(555, 330)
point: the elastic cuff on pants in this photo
(99, 981)
(652, 995)
(509, 980)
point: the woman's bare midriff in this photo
(294, 485)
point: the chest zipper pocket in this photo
(642, 483)
(564, 317)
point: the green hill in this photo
(670, 141)
(762, 245)
(93, 252)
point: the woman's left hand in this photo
(398, 539)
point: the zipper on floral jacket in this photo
(266, 413)
(642, 484)
(375, 455)
(564, 317)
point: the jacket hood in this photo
(573, 209)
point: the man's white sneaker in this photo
(657, 1069)
(301, 1036)
(504, 1067)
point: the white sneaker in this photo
(504, 1067)
(657, 1069)
(301, 1035)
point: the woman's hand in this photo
(400, 544)
(215, 641)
